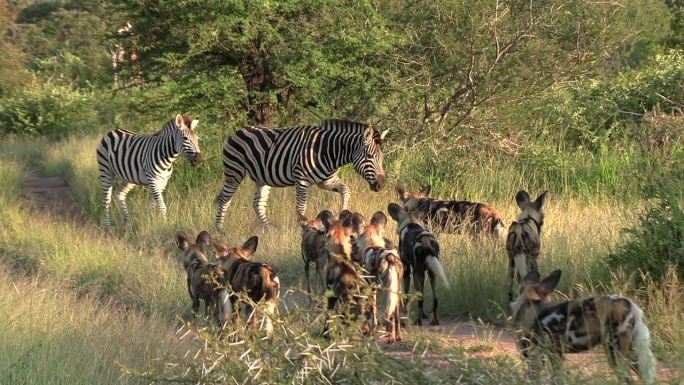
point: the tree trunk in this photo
(256, 72)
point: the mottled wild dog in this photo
(384, 267)
(419, 251)
(452, 216)
(575, 326)
(341, 276)
(256, 280)
(313, 245)
(523, 242)
(205, 280)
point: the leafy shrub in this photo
(592, 111)
(657, 241)
(49, 109)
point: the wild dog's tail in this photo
(520, 261)
(392, 286)
(271, 288)
(436, 267)
(225, 307)
(641, 345)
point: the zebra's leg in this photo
(121, 192)
(302, 195)
(107, 197)
(230, 184)
(156, 191)
(335, 184)
(259, 202)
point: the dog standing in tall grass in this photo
(341, 276)
(452, 216)
(257, 281)
(419, 251)
(384, 267)
(575, 326)
(523, 243)
(205, 280)
(313, 246)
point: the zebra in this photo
(301, 156)
(144, 160)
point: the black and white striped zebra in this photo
(144, 160)
(300, 156)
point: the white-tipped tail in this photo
(641, 345)
(392, 292)
(520, 261)
(225, 307)
(436, 267)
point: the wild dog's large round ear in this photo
(396, 212)
(327, 218)
(250, 246)
(358, 223)
(379, 219)
(344, 214)
(522, 198)
(348, 225)
(203, 238)
(179, 121)
(182, 241)
(194, 124)
(548, 284)
(425, 189)
(401, 192)
(539, 202)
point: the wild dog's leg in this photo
(335, 184)
(230, 184)
(307, 276)
(120, 196)
(332, 302)
(407, 287)
(434, 320)
(259, 203)
(511, 278)
(195, 306)
(418, 283)
(319, 277)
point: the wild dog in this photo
(523, 242)
(452, 216)
(575, 326)
(419, 251)
(204, 279)
(341, 276)
(256, 280)
(384, 267)
(313, 245)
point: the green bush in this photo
(49, 109)
(656, 242)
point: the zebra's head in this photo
(187, 141)
(368, 158)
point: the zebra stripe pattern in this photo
(299, 156)
(145, 160)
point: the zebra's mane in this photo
(186, 119)
(343, 123)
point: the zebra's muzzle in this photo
(378, 183)
(197, 160)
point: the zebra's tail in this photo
(641, 345)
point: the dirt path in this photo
(52, 196)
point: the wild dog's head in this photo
(339, 236)
(532, 294)
(411, 201)
(403, 217)
(320, 223)
(189, 251)
(372, 234)
(531, 209)
(229, 255)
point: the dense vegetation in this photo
(583, 98)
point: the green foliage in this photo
(591, 112)
(50, 110)
(657, 242)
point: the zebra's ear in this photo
(384, 134)
(194, 124)
(179, 121)
(368, 134)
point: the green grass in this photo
(137, 269)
